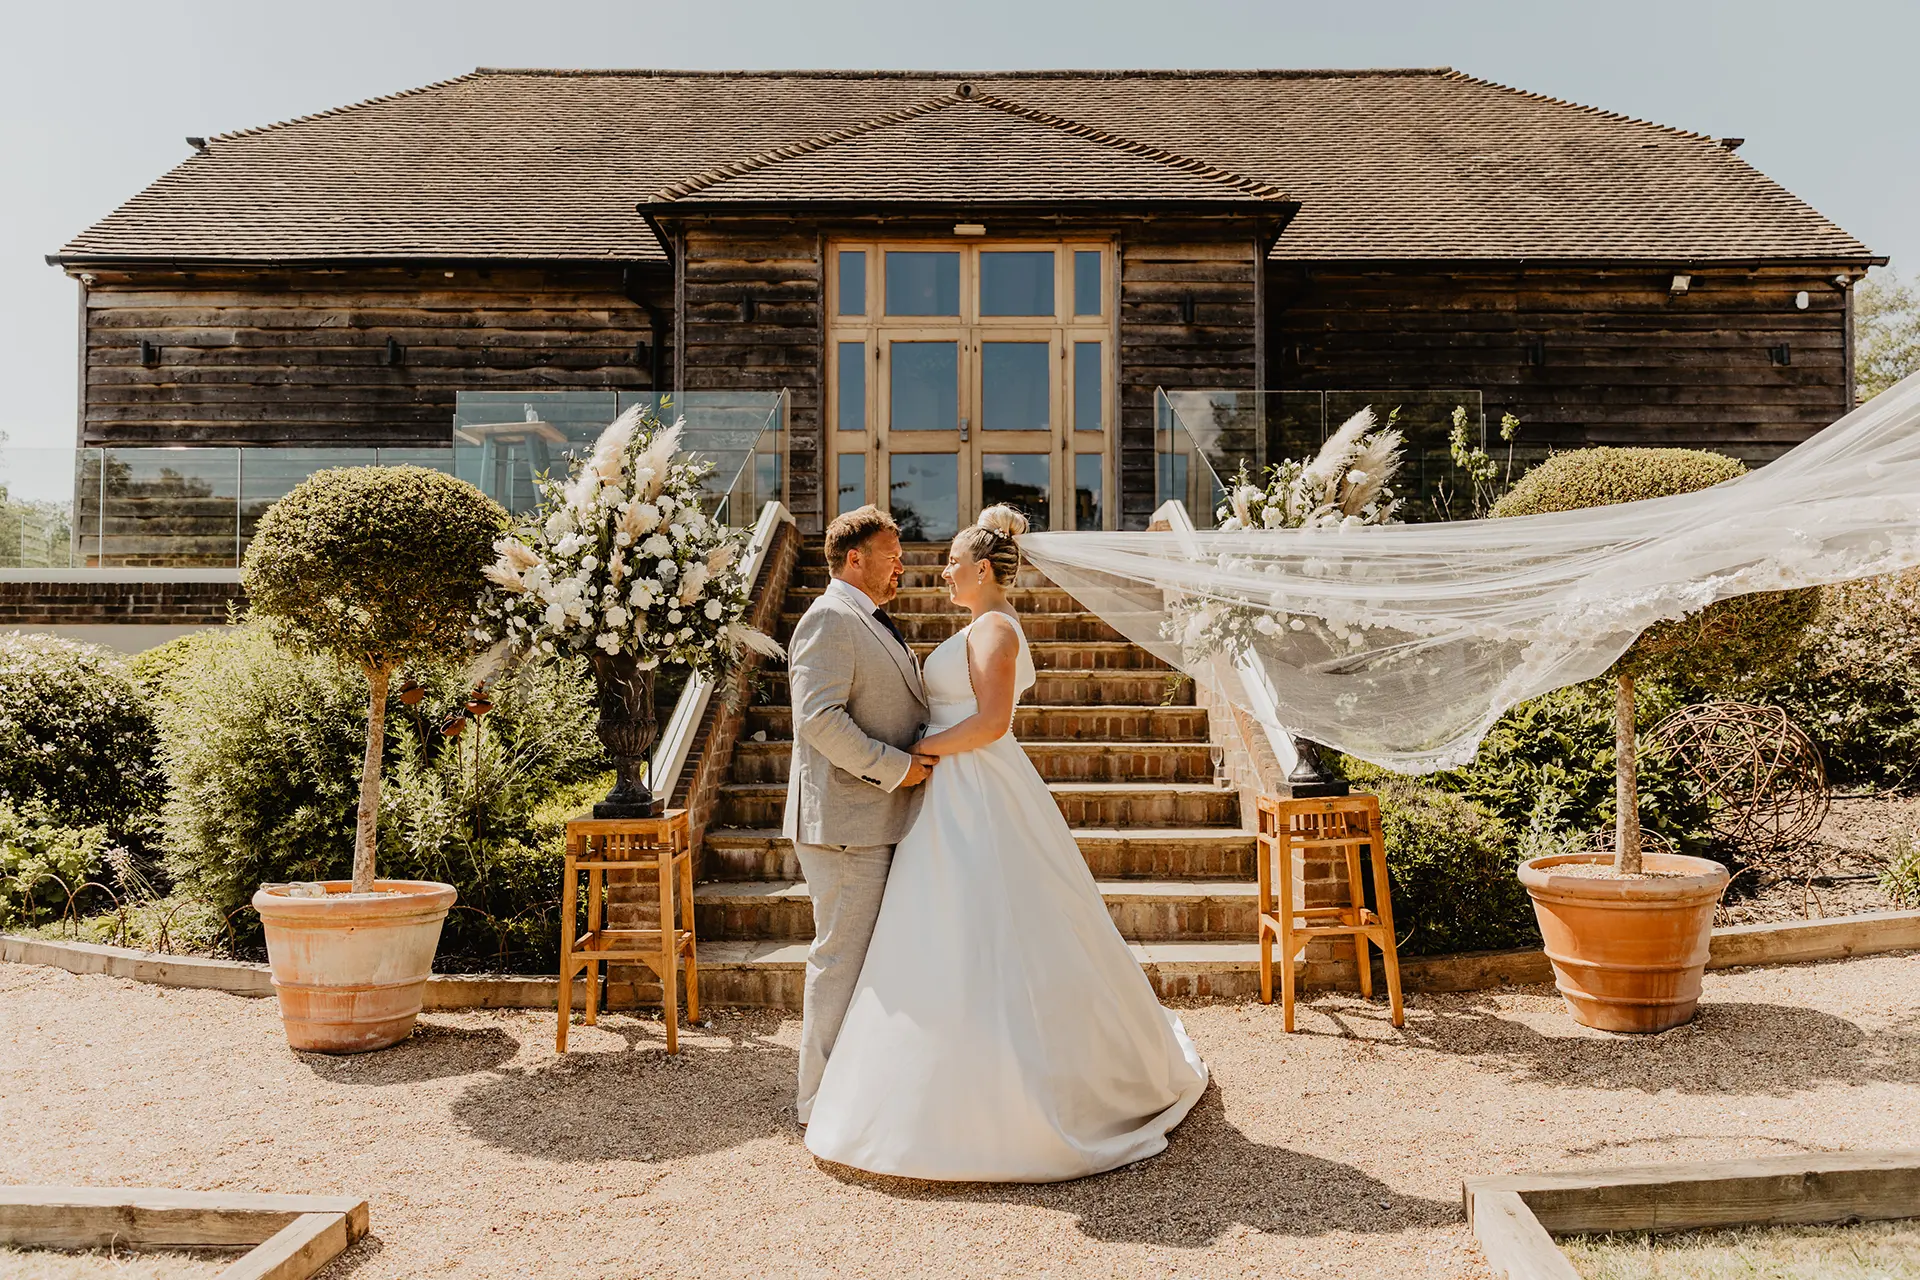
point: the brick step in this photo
(938, 626)
(745, 974)
(1083, 804)
(1191, 853)
(1057, 724)
(1030, 601)
(925, 575)
(1143, 910)
(1056, 761)
(1057, 688)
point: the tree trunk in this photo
(364, 830)
(1626, 784)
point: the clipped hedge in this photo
(78, 736)
(1600, 477)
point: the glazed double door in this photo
(964, 377)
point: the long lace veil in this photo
(1402, 644)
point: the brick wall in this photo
(25, 605)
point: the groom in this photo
(852, 789)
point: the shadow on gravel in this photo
(1730, 1047)
(723, 1088)
(433, 1052)
(1211, 1179)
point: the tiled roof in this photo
(550, 165)
(968, 146)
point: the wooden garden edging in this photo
(1515, 1217)
(1735, 947)
(291, 1237)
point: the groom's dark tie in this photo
(892, 628)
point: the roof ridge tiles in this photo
(940, 102)
(1162, 73)
(233, 134)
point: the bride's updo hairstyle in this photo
(990, 539)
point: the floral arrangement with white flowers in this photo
(620, 559)
(1348, 484)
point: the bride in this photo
(1001, 1030)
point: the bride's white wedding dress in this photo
(1001, 1030)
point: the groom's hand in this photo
(919, 771)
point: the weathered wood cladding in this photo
(301, 356)
(750, 296)
(1582, 355)
(1188, 318)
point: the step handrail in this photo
(676, 740)
(1173, 516)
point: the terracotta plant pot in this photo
(351, 971)
(1627, 954)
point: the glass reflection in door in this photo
(924, 492)
(925, 381)
(1020, 480)
(1015, 386)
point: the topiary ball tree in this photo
(378, 568)
(1716, 647)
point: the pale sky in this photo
(96, 100)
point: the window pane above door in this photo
(853, 282)
(1086, 282)
(924, 495)
(1016, 284)
(922, 283)
(1021, 481)
(1015, 381)
(925, 386)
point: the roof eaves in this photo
(653, 73)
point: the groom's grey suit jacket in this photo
(857, 706)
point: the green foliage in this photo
(1452, 865)
(377, 566)
(262, 748)
(1726, 643)
(1886, 330)
(77, 735)
(42, 861)
(1600, 477)
(1546, 769)
(1901, 880)
(1866, 721)
(262, 751)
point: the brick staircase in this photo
(1114, 732)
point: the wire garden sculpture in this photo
(1762, 777)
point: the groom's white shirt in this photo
(841, 587)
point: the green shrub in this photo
(1451, 864)
(77, 735)
(377, 568)
(1901, 880)
(1729, 644)
(261, 748)
(43, 861)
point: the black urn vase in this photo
(626, 728)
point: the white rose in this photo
(616, 616)
(608, 641)
(714, 610)
(666, 571)
(556, 616)
(673, 616)
(590, 563)
(558, 523)
(657, 545)
(622, 539)
(646, 518)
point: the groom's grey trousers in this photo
(846, 883)
(858, 706)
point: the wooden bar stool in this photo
(1347, 824)
(597, 846)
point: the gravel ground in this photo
(1338, 1151)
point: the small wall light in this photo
(1801, 300)
(1537, 351)
(748, 309)
(1186, 308)
(1782, 354)
(642, 352)
(149, 354)
(396, 354)
(1680, 284)
(969, 228)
